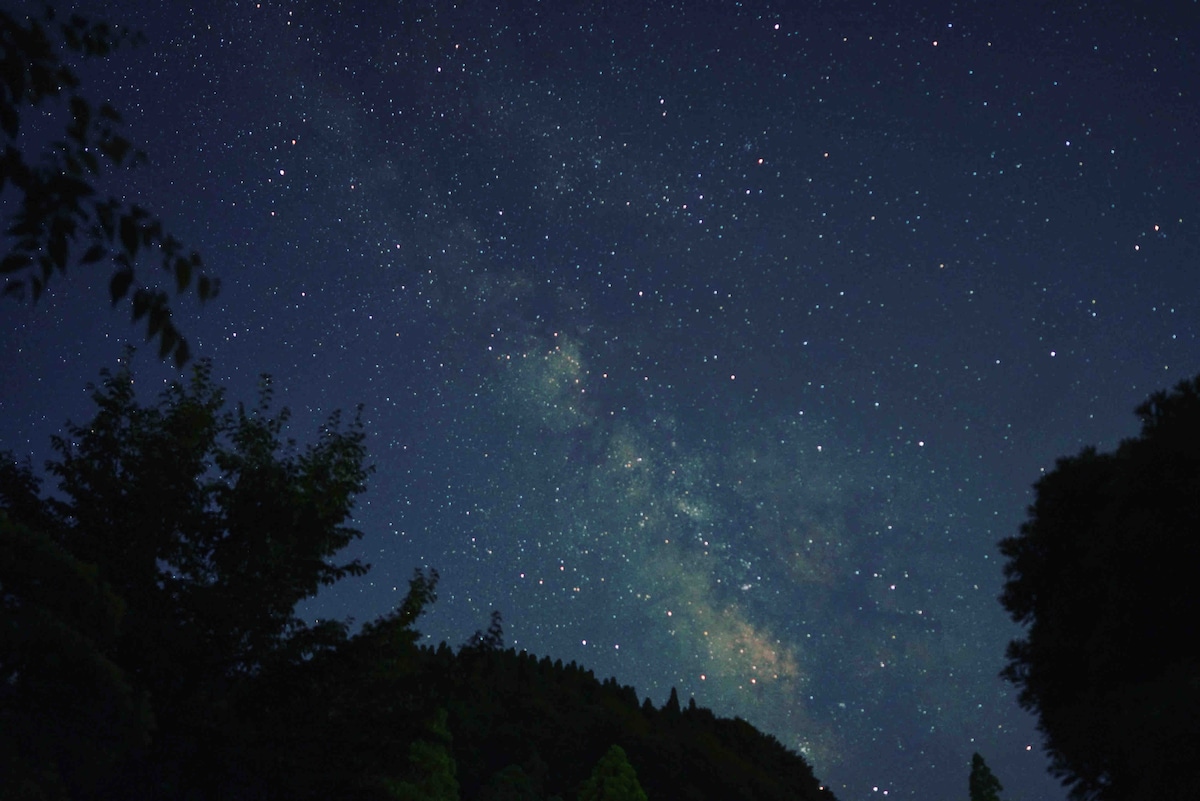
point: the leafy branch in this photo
(57, 218)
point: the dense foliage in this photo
(169, 561)
(509, 710)
(613, 779)
(150, 648)
(1103, 576)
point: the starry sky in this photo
(714, 344)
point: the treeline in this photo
(510, 711)
(150, 649)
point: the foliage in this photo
(613, 779)
(511, 783)
(341, 723)
(205, 518)
(490, 640)
(431, 767)
(983, 784)
(57, 217)
(168, 566)
(77, 713)
(150, 647)
(1101, 574)
(509, 709)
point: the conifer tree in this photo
(671, 707)
(433, 771)
(613, 779)
(983, 784)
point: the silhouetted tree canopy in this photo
(150, 646)
(431, 769)
(492, 639)
(983, 784)
(69, 714)
(54, 217)
(613, 779)
(555, 721)
(167, 565)
(1103, 576)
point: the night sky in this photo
(714, 344)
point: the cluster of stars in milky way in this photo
(715, 345)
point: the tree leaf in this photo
(58, 247)
(93, 254)
(166, 340)
(182, 353)
(183, 274)
(116, 148)
(15, 262)
(10, 121)
(81, 114)
(141, 304)
(129, 235)
(118, 287)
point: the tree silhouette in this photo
(74, 711)
(1102, 574)
(431, 765)
(490, 640)
(613, 779)
(168, 565)
(510, 783)
(55, 217)
(671, 707)
(983, 784)
(342, 723)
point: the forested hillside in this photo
(510, 710)
(150, 646)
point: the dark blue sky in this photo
(715, 344)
